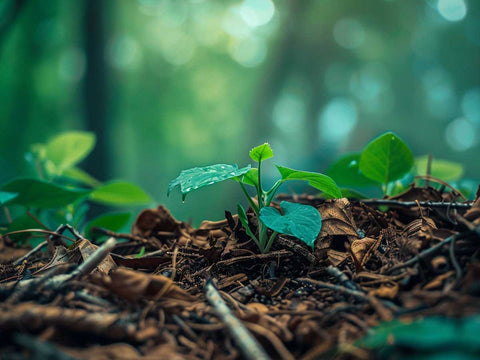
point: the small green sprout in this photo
(301, 221)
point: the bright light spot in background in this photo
(370, 81)
(349, 33)
(440, 97)
(337, 120)
(172, 13)
(289, 113)
(123, 52)
(71, 67)
(452, 10)
(235, 25)
(471, 105)
(460, 134)
(248, 52)
(257, 12)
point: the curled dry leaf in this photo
(337, 218)
(134, 285)
(151, 221)
(363, 249)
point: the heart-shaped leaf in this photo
(386, 158)
(120, 193)
(261, 152)
(442, 169)
(69, 148)
(318, 181)
(195, 178)
(346, 172)
(301, 221)
(42, 194)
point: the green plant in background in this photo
(426, 338)
(301, 221)
(60, 191)
(388, 162)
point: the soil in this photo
(160, 291)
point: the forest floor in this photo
(380, 283)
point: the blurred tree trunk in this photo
(95, 87)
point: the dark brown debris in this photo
(367, 266)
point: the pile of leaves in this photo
(402, 280)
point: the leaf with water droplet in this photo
(261, 152)
(301, 221)
(195, 178)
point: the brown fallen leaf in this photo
(337, 218)
(135, 285)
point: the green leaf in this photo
(346, 172)
(120, 193)
(22, 222)
(430, 335)
(249, 178)
(6, 196)
(81, 176)
(42, 194)
(318, 181)
(386, 158)
(261, 152)
(442, 169)
(69, 148)
(110, 221)
(301, 221)
(242, 215)
(195, 178)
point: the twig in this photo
(453, 259)
(30, 253)
(341, 277)
(408, 204)
(426, 252)
(249, 346)
(103, 231)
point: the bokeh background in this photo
(171, 84)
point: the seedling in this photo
(301, 221)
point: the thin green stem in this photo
(270, 241)
(271, 193)
(250, 201)
(259, 186)
(262, 236)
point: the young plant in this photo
(60, 191)
(301, 221)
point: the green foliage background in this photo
(168, 85)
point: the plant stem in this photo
(250, 201)
(270, 241)
(259, 186)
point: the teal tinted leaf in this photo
(431, 334)
(301, 221)
(81, 176)
(69, 148)
(261, 152)
(42, 194)
(249, 178)
(346, 172)
(195, 178)
(242, 215)
(318, 181)
(110, 221)
(6, 196)
(386, 158)
(442, 169)
(120, 193)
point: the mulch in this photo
(160, 291)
